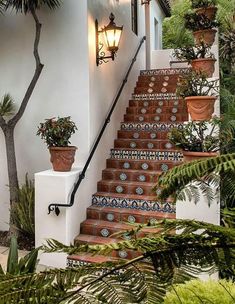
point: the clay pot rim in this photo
(201, 97)
(205, 30)
(63, 148)
(204, 59)
(196, 153)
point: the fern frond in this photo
(7, 106)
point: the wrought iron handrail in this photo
(56, 207)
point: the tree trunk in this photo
(11, 164)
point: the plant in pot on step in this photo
(56, 134)
(200, 57)
(200, 139)
(202, 27)
(205, 7)
(199, 94)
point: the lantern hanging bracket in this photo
(101, 56)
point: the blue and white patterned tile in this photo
(115, 202)
(165, 72)
(146, 155)
(147, 126)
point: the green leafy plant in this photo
(203, 136)
(198, 292)
(189, 53)
(7, 106)
(23, 213)
(197, 22)
(203, 3)
(227, 47)
(196, 84)
(57, 132)
(22, 266)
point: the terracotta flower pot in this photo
(62, 158)
(208, 36)
(209, 12)
(200, 107)
(205, 65)
(191, 156)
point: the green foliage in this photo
(190, 53)
(23, 211)
(7, 106)
(57, 132)
(225, 15)
(227, 48)
(25, 6)
(203, 3)
(196, 84)
(209, 173)
(195, 136)
(174, 32)
(197, 292)
(25, 265)
(197, 22)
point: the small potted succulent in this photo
(205, 7)
(200, 57)
(199, 94)
(202, 27)
(56, 134)
(200, 139)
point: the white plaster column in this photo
(54, 187)
(148, 39)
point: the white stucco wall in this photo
(156, 14)
(70, 84)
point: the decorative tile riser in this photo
(156, 118)
(168, 71)
(164, 126)
(143, 144)
(146, 155)
(156, 110)
(127, 175)
(142, 135)
(126, 215)
(155, 97)
(154, 90)
(126, 188)
(157, 103)
(142, 166)
(171, 79)
(145, 205)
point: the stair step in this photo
(156, 117)
(148, 144)
(125, 134)
(138, 110)
(162, 102)
(133, 202)
(164, 72)
(126, 187)
(88, 258)
(143, 165)
(152, 127)
(125, 215)
(146, 89)
(107, 229)
(130, 175)
(143, 154)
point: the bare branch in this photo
(3, 123)
(39, 66)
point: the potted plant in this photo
(56, 134)
(205, 7)
(199, 94)
(200, 139)
(202, 27)
(200, 57)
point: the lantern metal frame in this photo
(101, 56)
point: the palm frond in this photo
(7, 106)
(25, 6)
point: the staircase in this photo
(141, 153)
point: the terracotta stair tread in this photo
(117, 226)
(132, 171)
(89, 258)
(120, 182)
(140, 216)
(152, 160)
(94, 239)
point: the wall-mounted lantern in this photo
(145, 2)
(112, 34)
